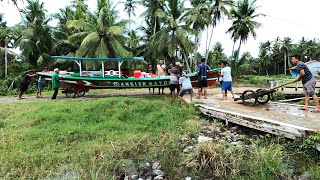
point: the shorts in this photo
(23, 87)
(226, 85)
(309, 87)
(40, 87)
(202, 83)
(174, 87)
(184, 91)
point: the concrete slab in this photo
(276, 118)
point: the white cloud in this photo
(285, 18)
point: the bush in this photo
(279, 95)
(10, 86)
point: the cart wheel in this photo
(264, 98)
(70, 93)
(249, 97)
(81, 93)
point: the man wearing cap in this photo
(202, 71)
(55, 83)
(174, 79)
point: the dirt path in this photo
(90, 95)
(121, 92)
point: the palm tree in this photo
(129, 7)
(218, 9)
(81, 8)
(216, 54)
(265, 56)
(35, 39)
(197, 18)
(101, 34)
(151, 15)
(173, 34)
(243, 15)
(286, 47)
(243, 66)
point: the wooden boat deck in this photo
(275, 118)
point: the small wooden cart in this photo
(260, 96)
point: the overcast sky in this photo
(285, 18)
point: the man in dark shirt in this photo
(25, 83)
(308, 81)
(202, 71)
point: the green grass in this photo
(100, 138)
(90, 138)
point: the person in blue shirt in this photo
(202, 71)
(41, 82)
(308, 81)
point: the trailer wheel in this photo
(249, 98)
(70, 93)
(81, 93)
(264, 98)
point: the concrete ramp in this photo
(275, 118)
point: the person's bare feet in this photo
(317, 110)
(304, 109)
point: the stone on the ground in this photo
(158, 172)
(187, 149)
(156, 165)
(134, 177)
(188, 178)
(159, 177)
(204, 139)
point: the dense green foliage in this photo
(170, 30)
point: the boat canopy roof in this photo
(97, 59)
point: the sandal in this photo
(205, 97)
(303, 109)
(198, 97)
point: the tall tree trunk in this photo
(288, 59)
(285, 62)
(207, 52)
(5, 62)
(195, 51)
(232, 53)
(207, 40)
(238, 51)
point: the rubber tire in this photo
(244, 100)
(81, 93)
(265, 101)
(70, 93)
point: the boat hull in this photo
(79, 83)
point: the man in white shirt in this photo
(227, 80)
(185, 86)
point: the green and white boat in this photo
(79, 83)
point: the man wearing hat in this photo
(55, 83)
